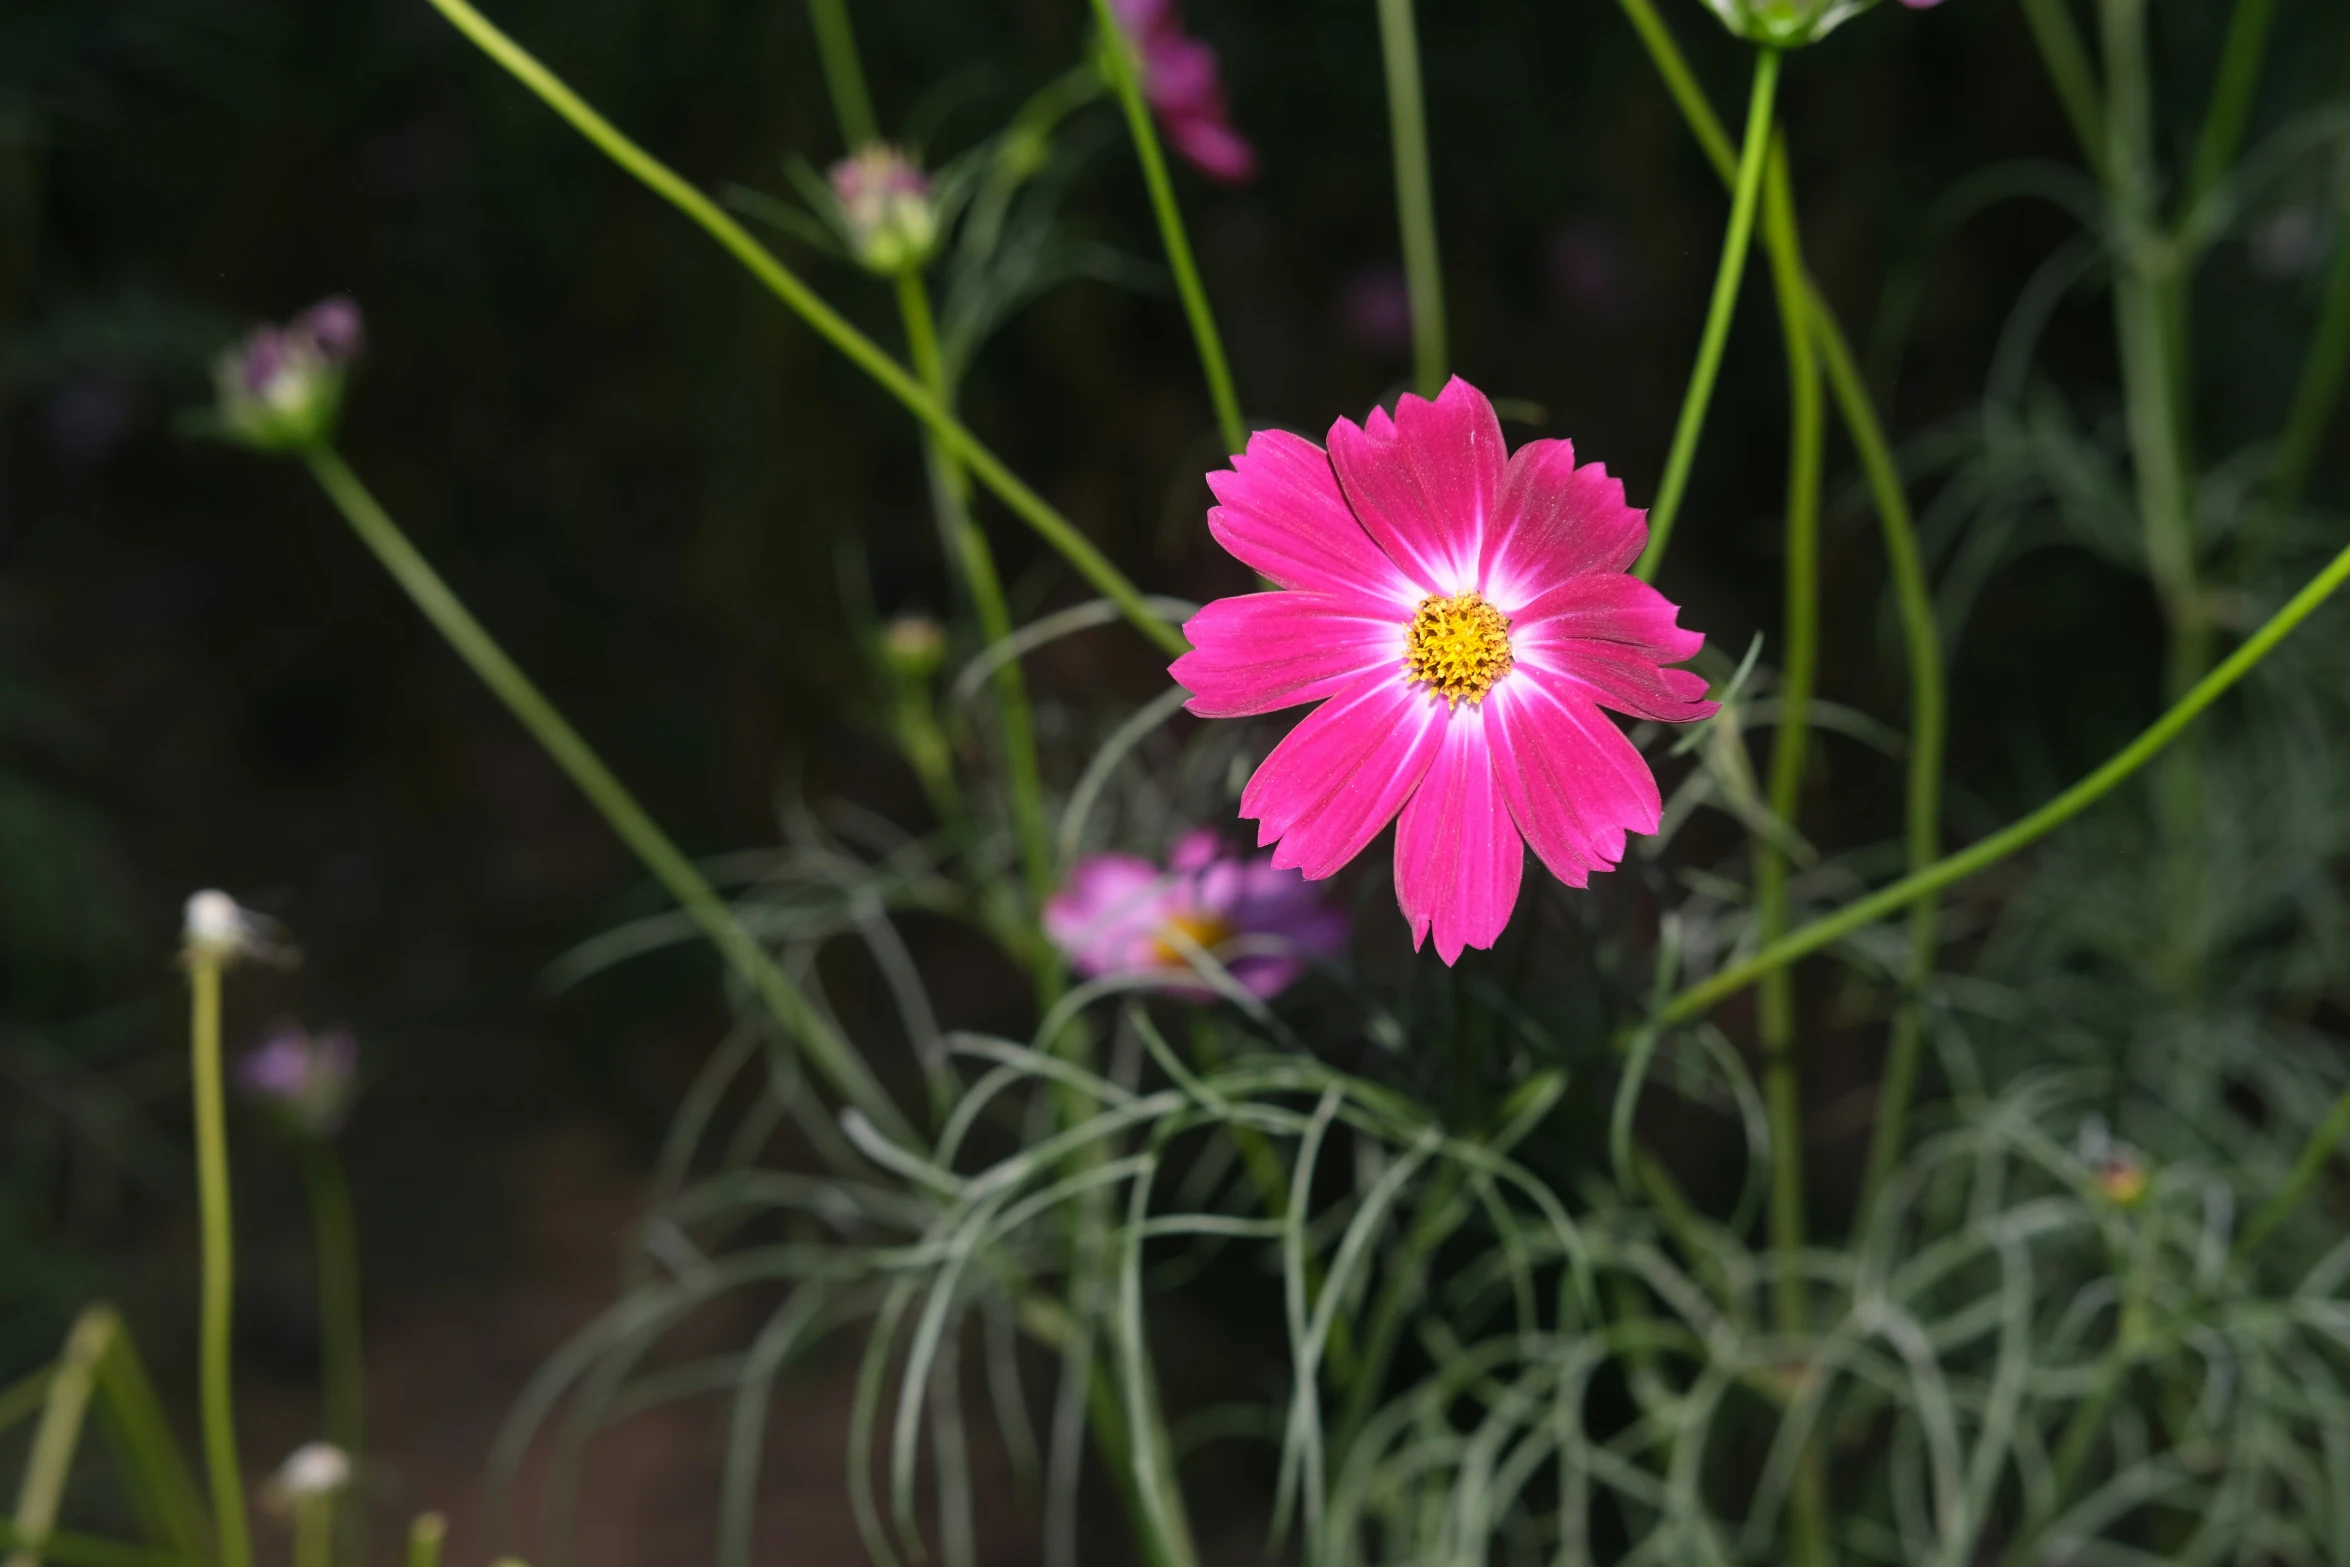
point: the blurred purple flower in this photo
(282, 387)
(1921, 5)
(1185, 91)
(1120, 914)
(308, 1080)
(885, 207)
(1375, 309)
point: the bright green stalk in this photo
(1782, 1083)
(828, 324)
(1024, 776)
(1913, 599)
(60, 1431)
(1117, 58)
(2317, 391)
(2314, 1154)
(2231, 97)
(2143, 273)
(1415, 197)
(844, 76)
(1700, 393)
(831, 1054)
(424, 1540)
(1700, 997)
(314, 1530)
(2069, 71)
(336, 1233)
(212, 1196)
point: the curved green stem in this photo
(1744, 198)
(2231, 98)
(342, 1359)
(2315, 393)
(2075, 80)
(1024, 777)
(1415, 198)
(844, 76)
(217, 1394)
(786, 285)
(1118, 63)
(1698, 998)
(827, 1050)
(2306, 1169)
(63, 1411)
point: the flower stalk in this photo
(205, 961)
(1745, 197)
(1415, 199)
(336, 1236)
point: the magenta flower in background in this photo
(307, 1080)
(1119, 914)
(1184, 90)
(1462, 614)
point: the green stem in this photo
(2231, 98)
(2067, 62)
(314, 1531)
(786, 285)
(832, 1055)
(67, 1549)
(1743, 201)
(1415, 198)
(342, 1359)
(165, 1496)
(844, 76)
(1698, 998)
(212, 1195)
(424, 1540)
(50, 1463)
(2145, 268)
(2317, 391)
(2306, 1169)
(1913, 599)
(1118, 63)
(1024, 776)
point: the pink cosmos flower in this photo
(1180, 81)
(1119, 914)
(1462, 614)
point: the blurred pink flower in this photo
(307, 1079)
(1462, 614)
(1119, 914)
(1921, 5)
(1180, 81)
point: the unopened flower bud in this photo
(886, 209)
(2122, 1178)
(307, 1080)
(218, 929)
(312, 1470)
(282, 388)
(1790, 24)
(914, 646)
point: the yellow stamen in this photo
(1459, 646)
(1208, 931)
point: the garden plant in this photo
(1487, 1235)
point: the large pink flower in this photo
(1186, 95)
(1119, 914)
(1462, 614)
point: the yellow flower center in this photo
(1460, 646)
(1208, 931)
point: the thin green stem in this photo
(1699, 998)
(63, 1411)
(219, 1288)
(1744, 199)
(341, 1349)
(786, 285)
(844, 75)
(67, 1549)
(1912, 597)
(2316, 393)
(2306, 1169)
(831, 1054)
(2144, 272)
(2067, 62)
(314, 1531)
(1415, 196)
(424, 1540)
(1118, 63)
(1023, 776)
(2231, 98)
(165, 1495)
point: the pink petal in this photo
(1574, 783)
(1458, 855)
(1213, 147)
(1264, 651)
(1554, 520)
(1612, 633)
(1107, 912)
(1343, 773)
(1425, 482)
(1281, 512)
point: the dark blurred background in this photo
(640, 472)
